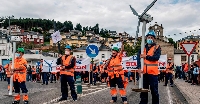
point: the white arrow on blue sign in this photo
(92, 51)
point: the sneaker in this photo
(15, 102)
(125, 102)
(112, 101)
(25, 102)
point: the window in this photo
(102, 55)
(183, 58)
(77, 56)
(81, 56)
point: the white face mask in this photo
(67, 52)
(17, 54)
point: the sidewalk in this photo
(190, 92)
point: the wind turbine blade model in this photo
(134, 11)
(148, 7)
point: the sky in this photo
(176, 16)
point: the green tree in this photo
(129, 49)
(172, 42)
(78, 27)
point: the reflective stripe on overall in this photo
(151, 67)
(67, 62)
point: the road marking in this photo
(169, 96)
(82, 95)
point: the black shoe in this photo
(130, 81)
(51, 82)
(164, 85)
(15, 102)
(25, 102)
(61, 99)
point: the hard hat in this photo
(115, 49)
(20, 50)
(68, 47)
(151, 33)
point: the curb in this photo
(184, 95)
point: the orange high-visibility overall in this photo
(116, 76)
(168, 70)
(66, 62)
(151, 67)
(8, 74)
(19, 78)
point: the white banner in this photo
(130, 63)
(49, 65)
(83, 64)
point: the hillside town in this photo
(97, 52)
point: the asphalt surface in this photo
(48, 94)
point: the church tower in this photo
(158, 30)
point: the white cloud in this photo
(177, 16)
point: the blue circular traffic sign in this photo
(92, 51)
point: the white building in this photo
(104, 51)
(181, 57)
(5, 48)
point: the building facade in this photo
(180, 57)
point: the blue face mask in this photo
(149, 41)
(17, 54)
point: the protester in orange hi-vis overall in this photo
(67, 74)
(33, 74)
(116, 74)
(19, 77)
(8, 69)
(151, 55)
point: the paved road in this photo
(46, 94)
(190, 92)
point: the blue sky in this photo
(176, 16)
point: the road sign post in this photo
(188, 48)
(92, 51)
(13, 39)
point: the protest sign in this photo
(130, 63)
(83, 64)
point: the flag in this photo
(56, 37)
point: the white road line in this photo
(169, 96)
(56, 99)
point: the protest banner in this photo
(49, 65)
(130, 63)
(83, 64)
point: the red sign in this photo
(131, 63)
(81, 67)
(161, 63)
(188, 48)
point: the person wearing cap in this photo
(68, 64)
(116, 74)
(169, 72)
(19, 76)
(151, 55)
(8, 74)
